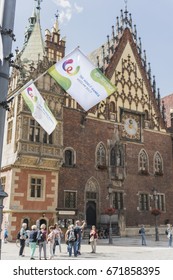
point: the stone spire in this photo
(34, 49)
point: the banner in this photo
(79, 78)
(2, 2)
(39, 109)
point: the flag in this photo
(2, 2)
(79, 78)
(39, 109)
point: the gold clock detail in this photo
(131, 126)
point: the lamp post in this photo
(156, 212)
(110, 214)
(7, 14)
(2, 196)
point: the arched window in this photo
(101, 155)
(69, 157)
(112, 107)
(113, 157)
(143, 163)
(158, 164)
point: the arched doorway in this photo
(92, 202)
(91, 213)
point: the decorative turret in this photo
(54, 45)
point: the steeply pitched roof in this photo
(34, 49)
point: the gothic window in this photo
(118, 202)
(146, 115)
(158, 164)
(101, 155)
(69, 157)
(70, 199)
(113, 157)
(143, 202)
(9, 132)
(112, 107)
(36, 188)
(34, 131)
(143, 162)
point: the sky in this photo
(86, 23)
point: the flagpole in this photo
(26, 85)
(33, 81)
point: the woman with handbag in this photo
(58, 236)
(93, 239)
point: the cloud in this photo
(62, 3)
(67, 10)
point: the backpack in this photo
(166, 232)
(71, 236)
(40, 237)
(140, 231)
(18, 235)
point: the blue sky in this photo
(86, 23)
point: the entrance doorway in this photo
(91, 213)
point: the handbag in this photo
(92, 238)
(56, 241)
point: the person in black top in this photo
(33, 241)
(23, 237)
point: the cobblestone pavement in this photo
(121, 249)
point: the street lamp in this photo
(2, 196)
(155, 212)
(109, 212)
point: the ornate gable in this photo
(122, 61)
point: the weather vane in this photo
(125, 1)
(38, 2)
(57, 14)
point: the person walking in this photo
(142, 233)
(51, 241)
(23, 237)
(93, 236)
(33, 241)
(5, 235)
(42, 240)
(169, 235)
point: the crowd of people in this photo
(45, 240)
(48, 240)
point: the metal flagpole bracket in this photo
(5, 104)
(8, 32)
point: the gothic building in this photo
(116, 155)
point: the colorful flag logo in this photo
(79, 78)
(39, 109)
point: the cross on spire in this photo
(57, 15)
(39, 4)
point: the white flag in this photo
(39, 109)
(79, 77)
(2, 2)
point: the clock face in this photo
(131, 126)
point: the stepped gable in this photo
(107, 57)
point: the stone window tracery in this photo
(143, 162)
(101, 155)
(158, 164)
